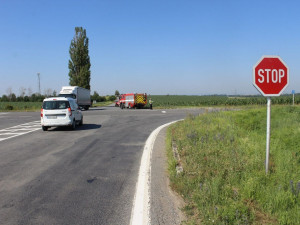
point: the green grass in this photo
(100, 104)
(34, 106)
(178, 101)
(20, 106)
(223, 157)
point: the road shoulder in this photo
(165, 204)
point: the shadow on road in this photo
(83, 127)
(89, 127)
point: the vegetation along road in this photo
(223, 159)
(89, 175)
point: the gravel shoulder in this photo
(165, 204)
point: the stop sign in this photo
(270, 75)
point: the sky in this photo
(181, 47)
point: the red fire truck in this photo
(132, 100)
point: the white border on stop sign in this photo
(253, 75)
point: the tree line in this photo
(12, 97)
(96, 97)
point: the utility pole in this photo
(38, 74)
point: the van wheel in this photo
(81, 121)
(73, 125)
(44, 128)
(129, 106)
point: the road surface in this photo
(85, 176)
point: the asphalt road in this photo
(86, 176)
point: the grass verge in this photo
(34, 106)
(223, 157)
(101, 104)
(20, 106)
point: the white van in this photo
(60, 111)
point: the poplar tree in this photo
(79, 63)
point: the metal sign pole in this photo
(293, 93)
(268, 133)
(293, 99)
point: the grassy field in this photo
(20, 106)
(223, 158)
(177, 101)
(34, 106)
(100, 104)
(174, 101)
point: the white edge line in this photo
(33, 122)
(141, 204)
(2, 139)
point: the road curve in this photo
(86, 176)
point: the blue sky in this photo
(157, 47)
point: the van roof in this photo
(58, 98)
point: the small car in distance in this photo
(60, 111)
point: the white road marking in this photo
(141, 204)
(3, 114)
(19, 130)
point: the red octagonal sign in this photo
(270, 75)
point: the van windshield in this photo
(56, 105)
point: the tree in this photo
(117, 93)
(95, 96)
(112, 98)
(9, 92)
(48, 92)
(4, 98)
(29, 91)
(20, 99)
(79, 64)
(13, 97)
(26, 99)
(22, 91)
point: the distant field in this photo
(223, 158)
(33, 106)
(174, 101)
(20, 106)
(171, 101)
(100, 104)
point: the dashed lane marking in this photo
(18, 130)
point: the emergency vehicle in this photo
(132, 100)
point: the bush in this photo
(9, 107)
(112, 98)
